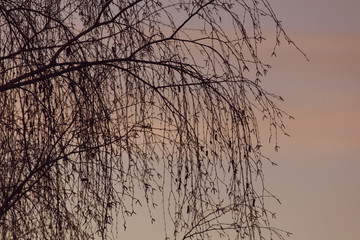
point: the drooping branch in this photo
(110, 106)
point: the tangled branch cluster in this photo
(107, 105)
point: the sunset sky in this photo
(318, 176)
(105, 103)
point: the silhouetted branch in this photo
(110, 106)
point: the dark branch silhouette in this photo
(107, 106)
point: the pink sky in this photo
(318, 174)
(318, 177)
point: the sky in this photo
(317, 178)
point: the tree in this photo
(110, 105)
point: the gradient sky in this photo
(318, 176)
